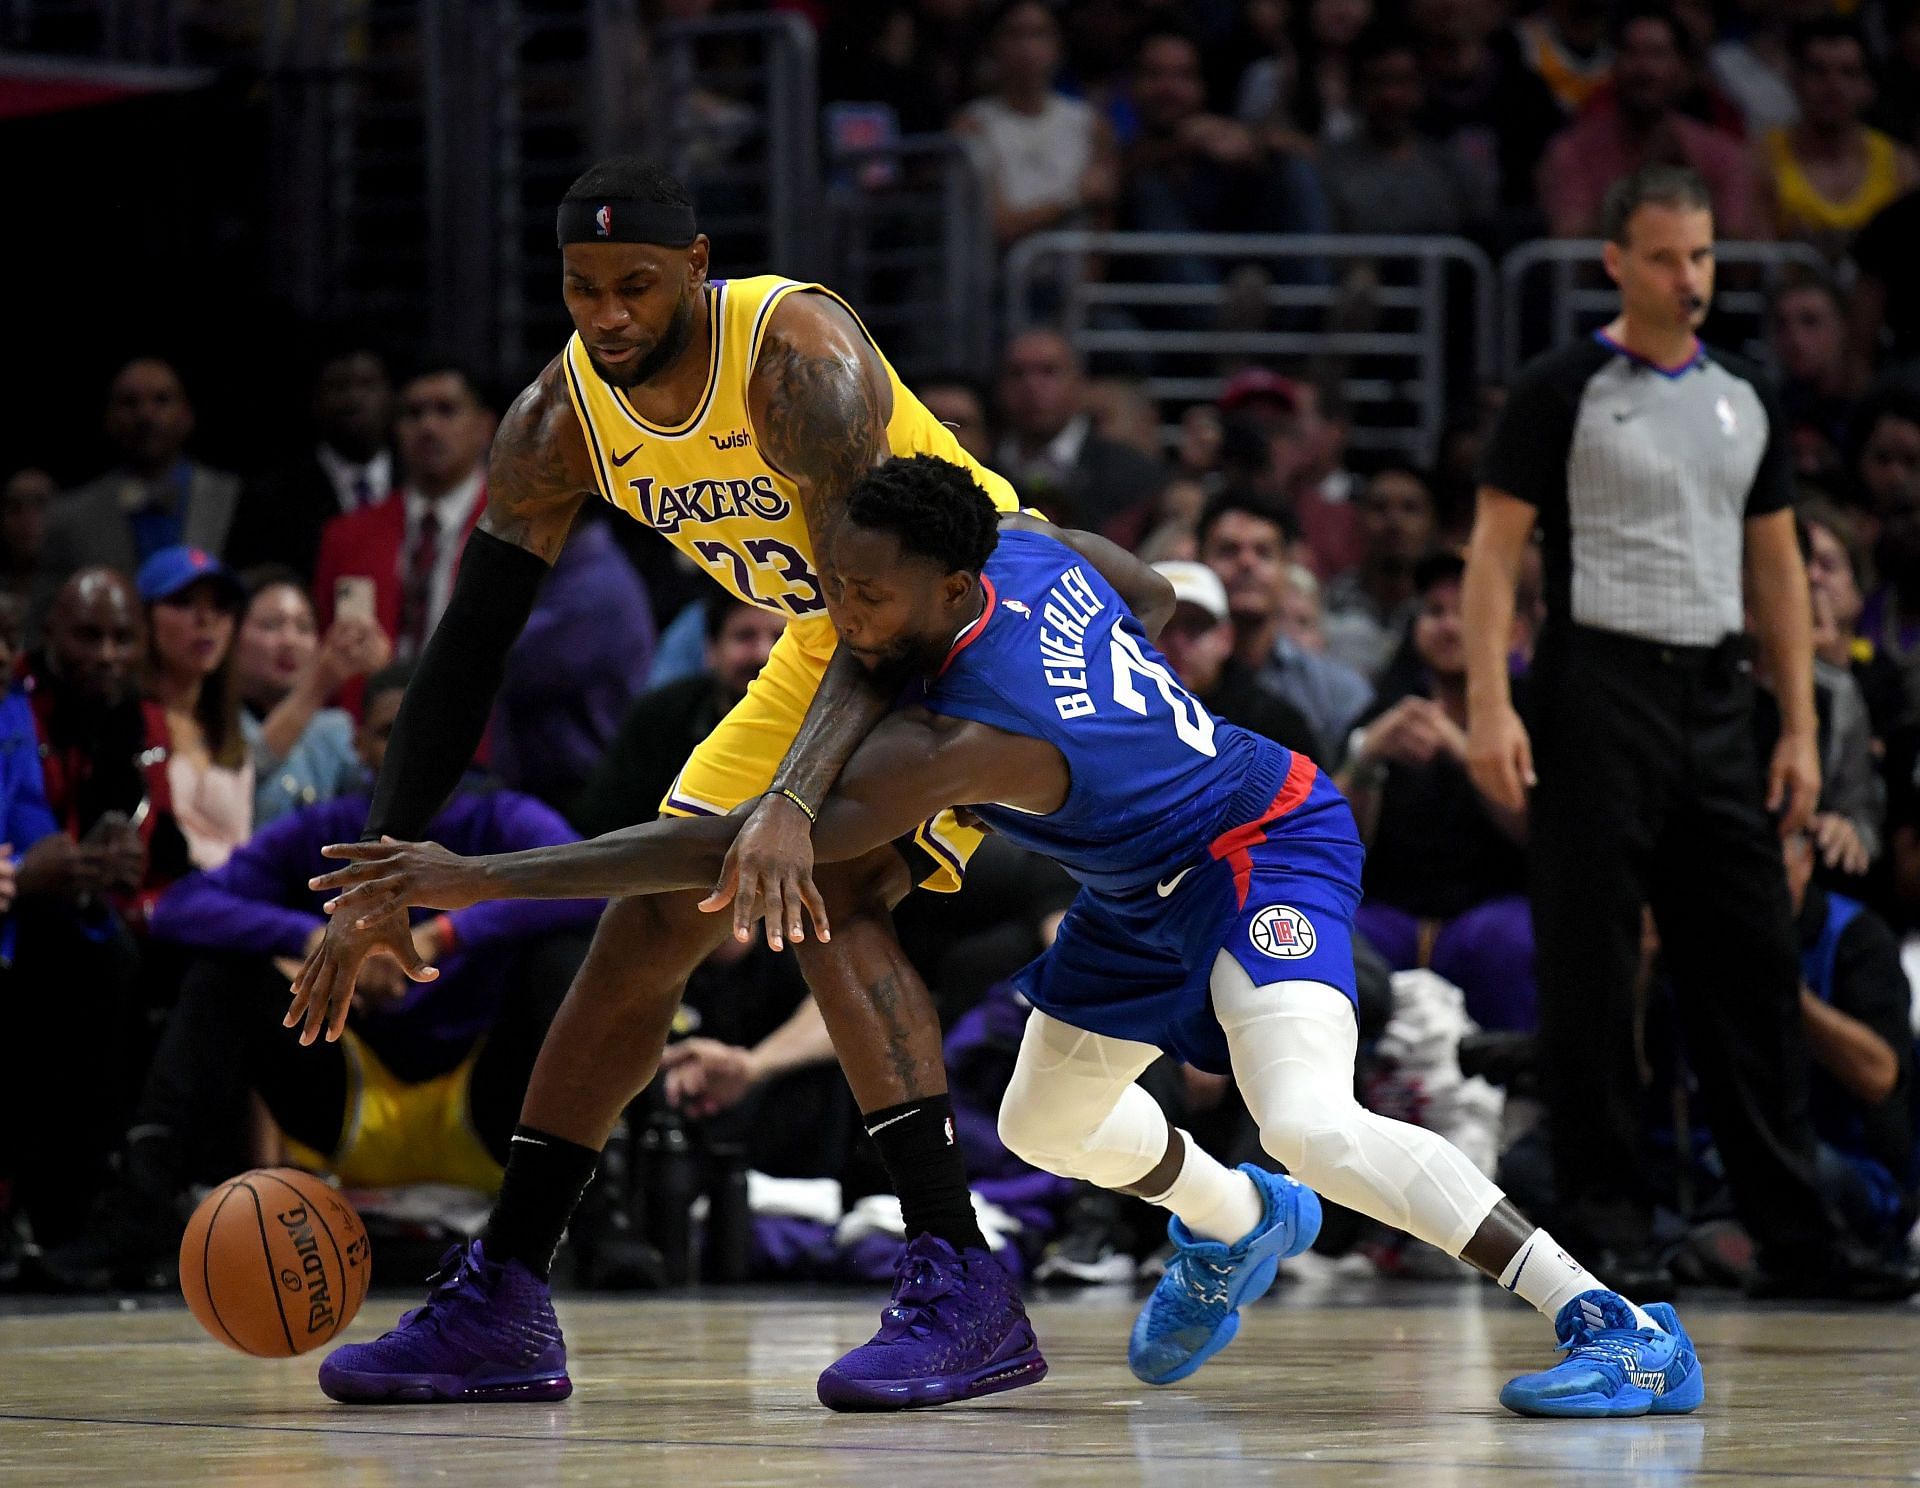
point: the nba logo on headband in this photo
(603, 220)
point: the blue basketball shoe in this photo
(954, 1330)
(1613, 1368)
(1195, 1310)
(487, 1333)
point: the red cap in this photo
(1259, 382)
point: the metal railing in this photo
(910, 241)
(736, 115)
(1575, 296)
(1386, 313)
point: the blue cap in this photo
(178, 568)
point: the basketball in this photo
(274, 1263)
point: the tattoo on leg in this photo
(885, 996)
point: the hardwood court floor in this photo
(1332, 1383)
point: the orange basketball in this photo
(274, 1263)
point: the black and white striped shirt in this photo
(1643, 477)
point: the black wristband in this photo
(444, 715)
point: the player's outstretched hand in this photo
(323, 991)
(388, 875)
(769, 871)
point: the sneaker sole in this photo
(352, 1388)
(838, 1394)
(1691, 1393)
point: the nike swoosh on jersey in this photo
(1167, 885)
(619, 460)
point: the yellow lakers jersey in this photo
(703, 483)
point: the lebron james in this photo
(732, 416)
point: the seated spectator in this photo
(1445, 880)
(72, 978)
(1855, 1011)
(1642, 122)
(1244, 542)
(662, 726)
(1320, 104)
(426, 1085)
(302, 750)
(1485, 104)
(957, 401)
(1836, 560)
(1053, 456)
(1306, 429)
(154, 497)
(1124, 411)
(1191, 171)
(348, 467)
(1819, 376)
(192, 603)
(1884, 447)
(1048, 161)
(1750, 62)
(1369, 608)
(1885, 306)
(410, 546)
(1565, 43)
(24, 504)
(1387, 179)
(581, 659)
(1198, 645)
(1827, 176)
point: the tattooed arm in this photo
(819, 401)
(539, 474)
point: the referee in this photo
(1656, 471)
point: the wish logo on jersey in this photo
(1282, 932)
(666, 508)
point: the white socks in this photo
(1543, 1274)
(1213, 1201)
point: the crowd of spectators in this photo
(205, 663)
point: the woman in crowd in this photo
(302, 750)
(192, 604)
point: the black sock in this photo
(923, 1160)
(545, 1177)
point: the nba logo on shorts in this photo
(603, 220)
(1282, 933)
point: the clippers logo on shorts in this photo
(1282, 932)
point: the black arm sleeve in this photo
(444, 714)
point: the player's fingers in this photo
(1523, 759)
(749, 899)
(775, 910)
(414, 965)
(724, 890)
(320, 979)
(358, 851)
(817, 907)
(796, 908)
(675, 1055)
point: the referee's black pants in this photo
(1651, 793)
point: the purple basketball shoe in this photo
(487, 1333)
(954, 1330)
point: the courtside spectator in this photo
(154, 497)
(1243, 542)
(410, 546)
(348, 467)
(1445, 882)
(1565, 43)
(1820, 380)
(582, 657)
(193, 605)
(302, 749)
(1884, 447)
(959, 403)
(1369, 607)
(1198, 644)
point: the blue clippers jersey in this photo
(1155, 777)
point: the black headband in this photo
(618, 220)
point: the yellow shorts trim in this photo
(735, 762)
(397, 1133)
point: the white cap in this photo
(1195, 584)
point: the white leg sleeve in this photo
(1293, 1046)
(1072, 1107)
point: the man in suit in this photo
(1053, 456)
(410, 546)
(349, 467)
(153, 498)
